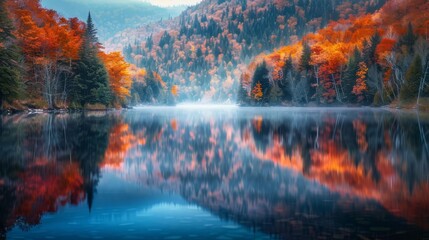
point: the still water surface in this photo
(251, 173)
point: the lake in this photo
(215, 173)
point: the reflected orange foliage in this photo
(173, 124)
(257, 123)
(332, 166)
(121, 140)
(44, 187)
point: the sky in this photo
(160, 3)
(170, 3)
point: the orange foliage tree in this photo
(257, 93)
(50, 43)
(174, 90)
(332, 46)
(119, 74)
(360, 87)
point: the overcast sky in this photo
(169, 3)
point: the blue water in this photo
(124, 210)
(215, 173)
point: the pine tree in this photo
(412, 80)
(149, 43)
(242, 96)
(409, 39)
(276, 94)
(350, 77)
(369, 49)
(91, 32)
(10, 86)
(92, 80)
(285, 84)
(261, 76)
(304, 62)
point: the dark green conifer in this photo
(261, 75)
(10, 74)
(412, 80)
(349, 78)
(92, 81)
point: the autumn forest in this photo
(214, 119)
(257, 53)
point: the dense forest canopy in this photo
(374, 59)
(49, 61)
(252, 52)
(209, 45)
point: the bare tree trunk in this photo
(316, 73)
(336, 88)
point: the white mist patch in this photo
(172, 3)
(205, 106)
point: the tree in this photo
(91, 33)
(119, 75)
(92, 78)
(360, 87)
(276, 94)
(10, 73)
(304, 62)
(286, 80)
(409, 39)
(369, 49)
(261, 76)
(257, 93)
(412, 80)
(350, 75)
(149, 43)
(49, 44)
(242, 95)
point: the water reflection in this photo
(296, 174)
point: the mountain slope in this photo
(112, 17)
(205, 49)
(373, 59)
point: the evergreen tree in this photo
(276, 94)
(285, 84)
(149, 43)
(349, 79)
(10, 86)
(242, 96)
(261, 76)
(369, 49)
(92, 78)
(409, 39)
(412, 80)
(165, 39)
(304, 62)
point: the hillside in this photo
(112, 17)
(206, 48)
(51, 62)
(375, 59)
